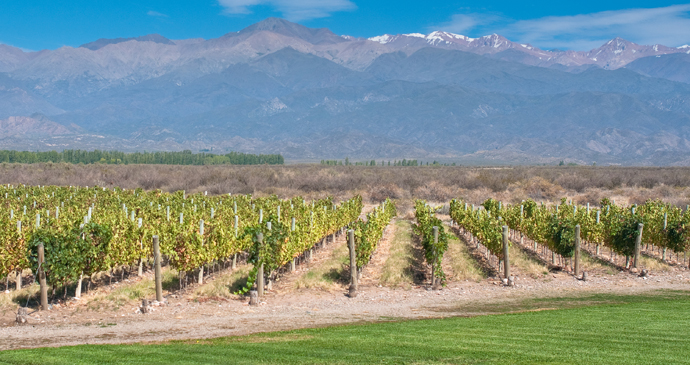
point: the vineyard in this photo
(289, 257)
(434, 240)
(556, 228)
(90, 230)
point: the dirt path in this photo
(323, 271)
(183, 319)
(522, 264)
(603, 263)
(458, 263)
(405, 266)
(371, 274)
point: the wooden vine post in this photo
(237, 221)
(77, 292)
(292, 229)
(506, 259)
(42, 278)
(599, 221)
(201, 234)
(260, 270)
(638, 243)
(576, 264)
(435, 282)
(140, 270)
(353, 263)
(157, 269)
(663, 254)
(268, 284)
(18, 281)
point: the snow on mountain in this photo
(618, 52)
(297, 89)
(125, 61)
(614, 54)
(433, 38)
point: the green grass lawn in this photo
(649, 329)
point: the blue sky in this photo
(579, 25)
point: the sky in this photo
(577, 25)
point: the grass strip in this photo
(605, 329)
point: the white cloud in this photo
(293, 10)
(463, 23)
(156, 14)
(667, 25)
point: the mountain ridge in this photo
(280, 87)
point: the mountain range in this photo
(307, 93)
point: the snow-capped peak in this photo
(440, 35)
(432, 38)
(684, 46)
(492, 36)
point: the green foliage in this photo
(433, 251)
(482, 224)
(113, 235)
(164, 158)
(71, 252)
(554, 226)
(347, 162)
(280, 244)
(492, 206)
(368, 233)
(562, 238)
(624, 234)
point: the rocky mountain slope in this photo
(308, 93)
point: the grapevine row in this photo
(612, 226)
(368, 233)
(433, 249)
(89, 230)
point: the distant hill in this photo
(96, 45)
(280, 87)
(674, 67)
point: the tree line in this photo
(185, 157)
(404, 162)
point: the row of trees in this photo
(403, 162)
(185, 157)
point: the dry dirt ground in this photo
(292, 304)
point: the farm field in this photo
(602, 329)
(397, 259)
(394, 286)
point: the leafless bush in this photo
(434, 191)
(381, 193)
(476, 184)
(538, 188)
(494, 181)
(592, 196)
(574, 182)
